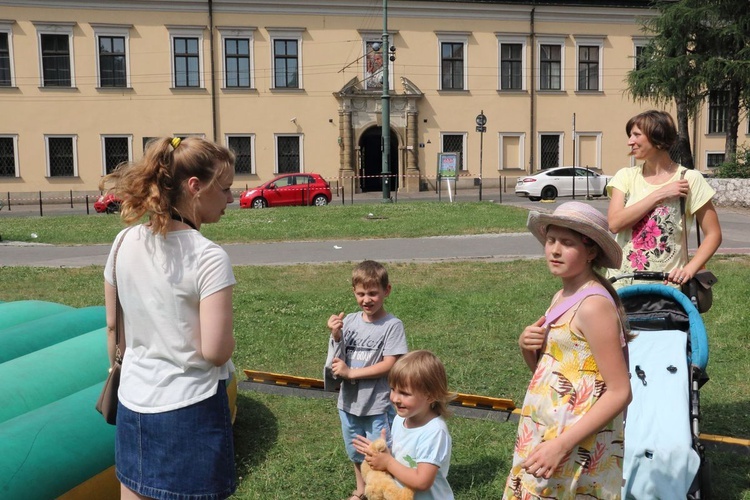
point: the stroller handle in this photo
(642, 275)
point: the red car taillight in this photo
(528, 179)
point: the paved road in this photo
(491, 247)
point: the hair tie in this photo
(175, 142)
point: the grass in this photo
(469, 313)
(397, 220)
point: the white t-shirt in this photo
(160, 283)
(430, 444)
(655, 243)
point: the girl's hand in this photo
(340, 368)
(336, 323)
(532, 337)
(377, 460)
(545, 458)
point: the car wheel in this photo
(113, 207)
(320, 201)
(549, 193)
(534, 198)
(259, 203)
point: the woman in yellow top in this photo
(644, 208)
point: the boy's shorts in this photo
(368, 426)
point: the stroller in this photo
(664, 457)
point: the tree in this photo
(696, 47)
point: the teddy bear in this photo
(379, 485)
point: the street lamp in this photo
(386, 110)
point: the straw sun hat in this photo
(583, 219)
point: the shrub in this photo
(739, 168)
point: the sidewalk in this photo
(489, 247)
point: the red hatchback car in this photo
(288, 190)
(108, 203)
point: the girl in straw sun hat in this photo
(570, 435)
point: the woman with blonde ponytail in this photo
(174, 435)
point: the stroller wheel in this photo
(705, 479)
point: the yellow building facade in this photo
(297, 86)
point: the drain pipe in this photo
(532, 93)
(213, 64)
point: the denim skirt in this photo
(186, 453)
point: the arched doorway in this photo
(371, 160)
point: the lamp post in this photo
(481, 122)
(386, 110)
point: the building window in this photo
(61, 156)
(714, 160)
(56, 60)
(8, 158)
(373, 69)
(640, 53)
(6, 56)
(588, 67)
(549, 150)
(147, 142)
(511, 151)
(455, 143)
(588, 149)
(112, 61)
(186, 62)
(242, 146)
(452, 54)
(237, 63)
(452, 66)
(511, 66)
(288, 154)
(718, 111)
(116, 151)
(550, 65)
(286, 64)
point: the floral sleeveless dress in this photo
(565, 385)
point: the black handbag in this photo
(107, 402)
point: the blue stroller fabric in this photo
(660, 461)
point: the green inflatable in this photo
(49, 451)
(42, 377)
(19, 340)
(15, 313)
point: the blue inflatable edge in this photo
(698, 337)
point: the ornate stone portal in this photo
(360, 109)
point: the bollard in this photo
(41, 214)
(71, 198)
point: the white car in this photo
(553, 182)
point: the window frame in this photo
(714, 108)
(589, 41)
(454, 38)
(186, 32)
(16, 170)
(112, 31)
(231, 33)
(709, 153)
(555, 41)
(638, 43)
(560, 151)
(252, 171)
(64, 29)
(74, 150)
(104, 138)
(521, 149)
(577, 152)
(511, 40)
(301, 167)
(463, 163)
(6, 28)
(289, 34)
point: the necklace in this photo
(180, 218)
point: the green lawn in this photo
(469, 313)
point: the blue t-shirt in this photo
(365, 344)
(430, 444)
